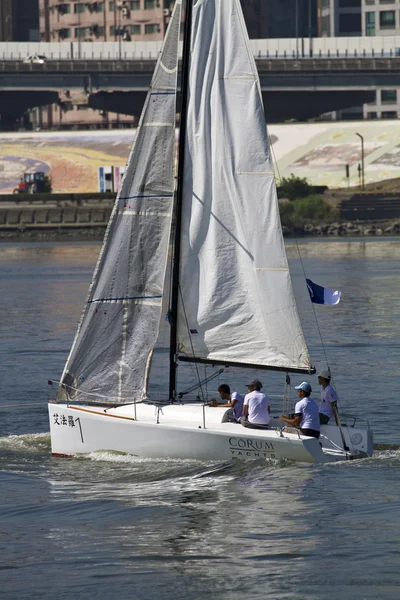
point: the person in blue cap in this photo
(306, 412)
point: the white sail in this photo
(236, 299)
(110, 357)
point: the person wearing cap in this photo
(306, 415)
(233, 401)
(256, 407)
(329, 398)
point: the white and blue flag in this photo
(322, 295)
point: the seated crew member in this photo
(306, 414)
(256, 407)
(233, 401)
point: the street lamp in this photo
(362, 161)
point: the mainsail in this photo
(111, 353)
(236, 303)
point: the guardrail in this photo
(342, 47)
(370, 207)
(88, 67)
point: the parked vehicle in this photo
(33, 183)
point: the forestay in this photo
(110, 357)
(236, 298)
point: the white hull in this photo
(180, 433)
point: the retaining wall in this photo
(53, 217)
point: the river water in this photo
(108, 525)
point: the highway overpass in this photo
(298, 88)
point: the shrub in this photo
(310, 209)
(293, 187)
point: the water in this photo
(110, 525)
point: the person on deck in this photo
(306, 415)
(256, 407)
(233, 401)
(329, 398)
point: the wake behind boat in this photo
(231, 301)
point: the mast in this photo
(179, 195)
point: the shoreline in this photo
(96, 233)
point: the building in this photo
(363, 18)
(104, 20)
(339, 18)
(19, 21)
(380, 17)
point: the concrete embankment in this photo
(85, 217)
(54, 218)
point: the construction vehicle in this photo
(33, 183)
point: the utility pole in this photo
(362, 162)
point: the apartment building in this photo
(363, 18)
(339, 18)
(380, 17)
(104, 20)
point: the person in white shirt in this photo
(233, 401)
(256, 407)
(329, 398)
(306, 414)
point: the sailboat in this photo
(209, 217)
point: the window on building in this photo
(79, 7)
(326, 4)
(349, 3)
(150, 3)
(326, 26)
(387, 19)
(152, 28)
(372, 115)
(388, 96)
(370, 28)
(82, 32)
(64, 33)
(387, 1)
(350, 24)
(63, 9)
(133, 29)
(389, 114)
(111, 6)
(369, 2)
(134, 4)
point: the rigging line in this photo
(312, 305)
(191, 343)
(194, 387)
(274, 161)
(316, 319)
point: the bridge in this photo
(298, 88)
